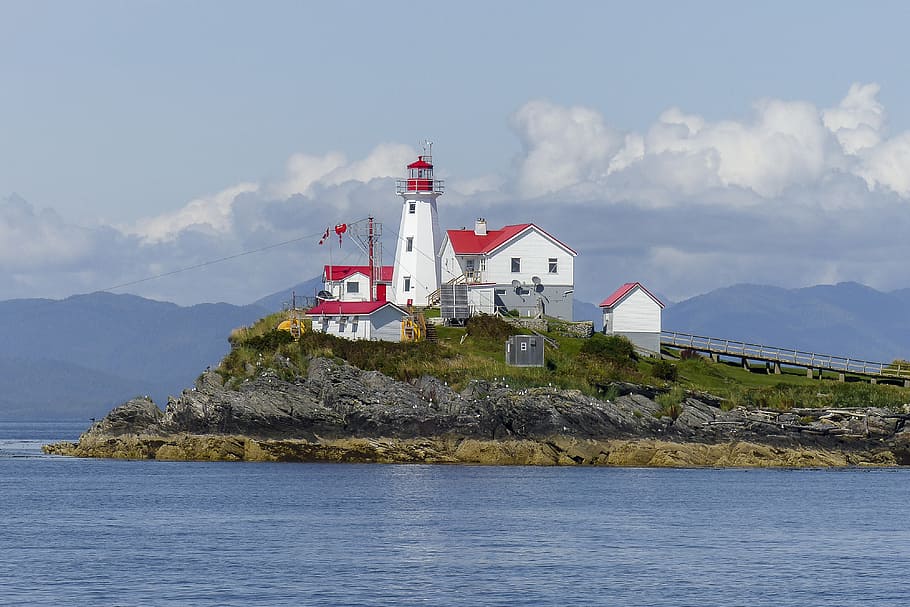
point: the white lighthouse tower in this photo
(416, 273)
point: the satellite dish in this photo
(324, 295)
(535, 280)
(539, 288)
(516, 284)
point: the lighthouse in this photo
(416, 270)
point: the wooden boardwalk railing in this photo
(785, 356)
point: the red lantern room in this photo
(420, 176)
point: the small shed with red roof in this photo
(634, 312)
(373, 320)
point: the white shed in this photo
(376, 320)
(632, 311)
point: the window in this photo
(553, 265)
(341, 322)
(499, 291)
(524, 346)
(409, 244)
(407, 283)
(516, 264)
(469, 265)
(353, 287)
(354, 322)
(412, 207)
(523, 291)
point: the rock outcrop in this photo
(341, 413)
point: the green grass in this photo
(593, 366)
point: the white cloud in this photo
(783, 144)
(38, 240)
(304, 172)
(888, 165)
(563, 147)
(858, 120)
(210, 214)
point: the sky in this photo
(686, 145)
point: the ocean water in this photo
(97, 532)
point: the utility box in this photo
(524, 351)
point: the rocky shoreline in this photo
(338, 413)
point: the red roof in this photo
(350, 307)
(624, 290)
(342, 272)
(420, 164)
(466, 242)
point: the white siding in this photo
(340, 288)
(420, 264)
(386, 324)
(347, 330)
(449, 266)
(636, 313)
(535, 250)
(480, 299)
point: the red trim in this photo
(466, 242)
(335, 308)
(343, 272)
(624, 290)
(420, 164)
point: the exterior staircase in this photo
(432, 336)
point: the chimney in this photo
(480, 227)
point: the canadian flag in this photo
(324, 236)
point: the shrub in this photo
(491, 327)
(609, 347)
(664, 369)
(671, 403)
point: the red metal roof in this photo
(342, 272)
(350, 307)
(466, 242)
(420, 164)
(624, 290)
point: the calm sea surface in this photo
(94, 532)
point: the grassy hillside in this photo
(597, 366)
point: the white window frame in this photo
(409, 244)
(516, 263)
(407, 284)
(553, 265)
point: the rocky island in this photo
(336, 412)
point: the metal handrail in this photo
(402, 187)
(729, 347)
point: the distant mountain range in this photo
(846, 319)
(76, 358)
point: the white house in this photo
(632, 311)
(518, 267)
(352, 283)
(375, 320)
